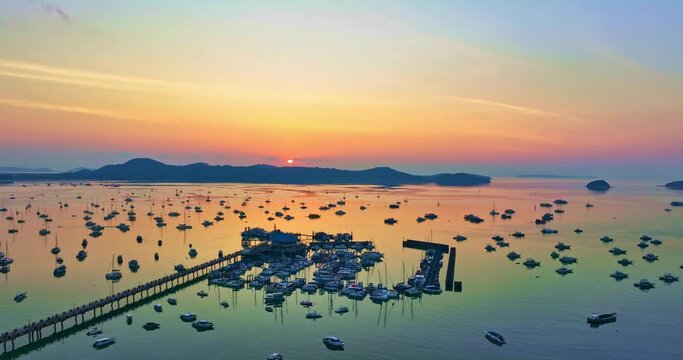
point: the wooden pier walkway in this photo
(34, 330)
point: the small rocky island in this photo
(598, 185)
(675, 185)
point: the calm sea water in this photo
(541, 313)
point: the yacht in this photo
(149, 326)
(650, 257)
(618, 275)
(531, 263)
(59, 271)
(188, 317)
(568, 260)
(333, 342)
(617, 251)
(596, 319)
(20, 297)
(562, 246)
(103, 343)
(644, 284)
(668, 278)
(202, 325)
(133, 265)
(390, 221)
(512, 255)
(494, 337)
(313, 315)
(625, 262)
(564, 271)
(94, 331)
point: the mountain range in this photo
(149, 170)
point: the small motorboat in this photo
(202, 293)
(668, 278)
(313, 315)
(625, 262)
(531, 263)
(644, 284)
(650, 257)
(188, 317)
(333, 342)
(596, 319)
(225, 304)
(306, 303)
(149, 326)
(618, 275)
(269, 308)
(513, 255)
(20, 297)
(617, 251)
(202, 325)
(564, 271)
(158, 308)
(274, 356)
(103, 343)
(341, 310)
(172, 301)
(129, 319)
(490, 248)
(94, 331)
(494, 337)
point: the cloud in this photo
(64, 108)
(515, 108)
(51, 8)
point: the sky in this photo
(580, 87)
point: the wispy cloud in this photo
(65, 108)
(51, 8)
(512, 107)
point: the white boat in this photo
(274, 356)
(104, 342)
(333, 342)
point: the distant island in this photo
(149, 170)
(14, 170)
(676, 185)
(553, 176)
(598, 185)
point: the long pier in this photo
(113, 302)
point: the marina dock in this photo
(99, 308)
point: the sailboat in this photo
(55, 250)
(114, 274)
(5, 260)
(494, 212)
